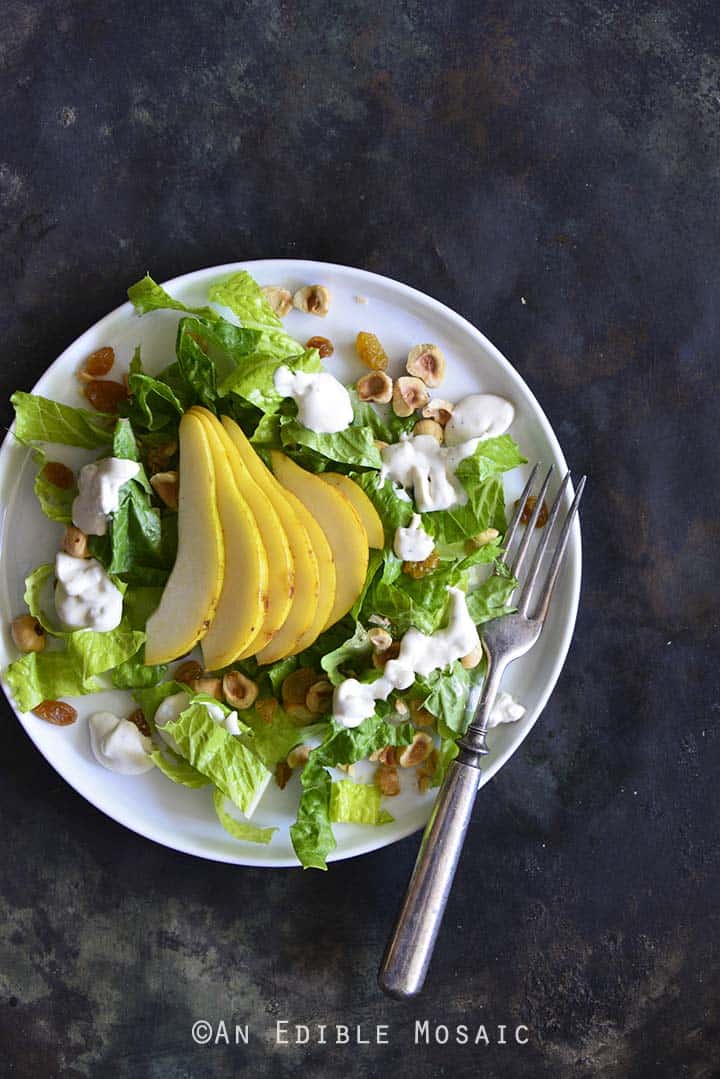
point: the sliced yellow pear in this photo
(314, 578)
(361, 504)
(192, 592)
(281, 577)
(326, 569)
(339, 521)
(240, 612)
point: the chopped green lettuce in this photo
(249, 833)
(146, 295)
(232, 767)
(357, 803)
(354, 446)
(37, 419)
(349, 657)
(253, 378)
(245, 298)
(177, 769)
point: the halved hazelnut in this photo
(158, 456)
(27, 633)
(420, 716)
(483, 538)
(75, 542)
(387, 780)
(165, 485)
(379, 659)
(380, 639)
(375, 386)
(438, 410)
(428, 363)
(472, 659)
(380, 445)
(429, 427)
(318, 699)
(239, 690)
(409, 394)
(211, 687)
(418, 751)
(313, 300)
(296, 685)
(388, 755)
(279, 299)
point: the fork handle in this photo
(411, 946)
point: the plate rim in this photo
(573, 565)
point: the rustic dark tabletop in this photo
(550, 169)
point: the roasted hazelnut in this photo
(318, 699)
(387, 779)
(75, 542)
(472, 659)
(279, 299)
(380, 639)
(438, 410)
(28, 634)
(295, 687)
(429, 427)
(483, 538)
(298, 756)
(428, 363)
(375, 386)
(159, 455)
(379, 659)
(418, 751)
(409, 394)
(313, 300)
(210, 686)
(166, 487)
(239, 691)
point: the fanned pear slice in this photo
(291, 511)
(281, 575)
(339, 521)
(307, 577)
(361, 504)
(240, 611)
(191, 595)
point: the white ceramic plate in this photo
(150, 804)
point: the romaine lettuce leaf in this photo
(136, 674)
(445, 693)
(250, 833)
(253, 378)
(94, 653)
(488, 600)
(36, 585)
(46, 676)
(273, 741)
(394, 512)
(210, 748)
(178, 770)
(37, 419)
(247, 302)
(354, 446)
(55, 502)
(153, 403)
(312, 835)
(146, 295)
(149, 699)
(349, 658)
(357, 803)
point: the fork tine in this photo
(515, 520)
(546, 594)
(530, 526)
(524, 597)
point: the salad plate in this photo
(178, 816)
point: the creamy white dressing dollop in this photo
(505, 710)
(324, 405)
(481, 415)
(420, 464)
(85, 597)
(420, 653)
(99, 485)
(413, 544)
(118, 744)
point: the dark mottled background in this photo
(564, 151)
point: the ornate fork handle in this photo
(411, 946)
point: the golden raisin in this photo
(188, 672)
(138, 718)
(104, 395)
(371, 352)
(527, 513)
(323, 344)
(417, 570)
(59, 475)
(391, 652)
(283, 771)
(57, 712)
(96, 365)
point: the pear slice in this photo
(314, 577)
(281, 578)
(339, 521)
(192, 592)
(240, 611)
(307, 580)
(361, 504)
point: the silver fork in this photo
(505, 638)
